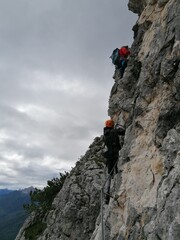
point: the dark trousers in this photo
(112, 168)
(122, 66)
(112, 164)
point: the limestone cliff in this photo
(77, 205)
(146, 205)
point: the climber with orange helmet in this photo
(111, 141)
(109, 123)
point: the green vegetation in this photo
(41, 200)
(34, 230)
(41, 203)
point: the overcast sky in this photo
(55, 81)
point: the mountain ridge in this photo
(5, 191)
(12, 214)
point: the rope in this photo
(102, 199)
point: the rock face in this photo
(146, 190)
(147, 101)
(77, 205)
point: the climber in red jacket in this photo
(123, 53)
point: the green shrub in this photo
(41, 200)
(40, 204)
(34, 230)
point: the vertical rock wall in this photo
(147, 101)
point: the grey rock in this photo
(161, 3)
(152, 2)
(137, 6)
(77, 205)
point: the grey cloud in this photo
(36, 176)
(29, 152)
(58, 36)
(55, 81)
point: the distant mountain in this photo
(27, 190)
(12, 214)
(5, 191)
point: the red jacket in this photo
(124, 52)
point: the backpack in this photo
(115, 56)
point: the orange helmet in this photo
(109, 123)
